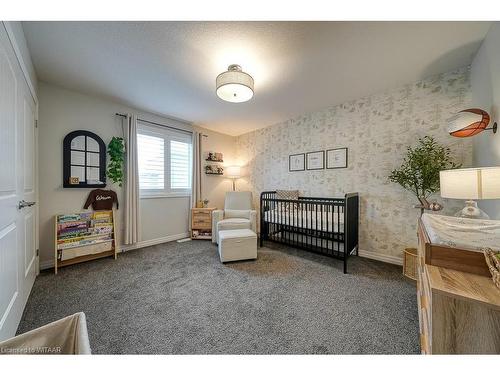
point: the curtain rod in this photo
(155, 123)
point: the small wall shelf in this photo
(214, 169)
(215, 161)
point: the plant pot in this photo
(410, 259)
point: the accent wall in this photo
(377, 129)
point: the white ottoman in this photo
(237, 244)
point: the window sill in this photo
(160, 196)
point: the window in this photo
(165, 159)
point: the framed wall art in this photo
(296, 162)
(315, 160)
(336, 158)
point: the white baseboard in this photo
(381, 257)
(50, 263)
(46, 264)
(155, 241)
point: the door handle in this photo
(22, 204)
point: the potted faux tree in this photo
(419, 172)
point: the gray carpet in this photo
(178, 298)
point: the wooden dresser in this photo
(459, 312)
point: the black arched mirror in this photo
(84, 160)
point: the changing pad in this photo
(462, 233)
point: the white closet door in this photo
(18, 258)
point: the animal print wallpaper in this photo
(376, 129)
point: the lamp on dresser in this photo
(471, 184)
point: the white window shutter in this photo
(165, 158)
(180, 165)
(151, 155)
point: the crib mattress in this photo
(307, 220)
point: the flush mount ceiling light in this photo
(235, 85)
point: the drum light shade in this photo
(234, 85)
(468, 122)
(470, 183)
(233, 172)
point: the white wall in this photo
(485, 80)
(215, 187)
(62, 111)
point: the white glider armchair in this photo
(237, 214)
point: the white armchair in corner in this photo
(237, 214)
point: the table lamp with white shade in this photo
(471, 184)
(233, 172)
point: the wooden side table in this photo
(201, 223)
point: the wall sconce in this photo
(470, 122)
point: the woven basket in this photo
(410, 263)
(493, 264)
